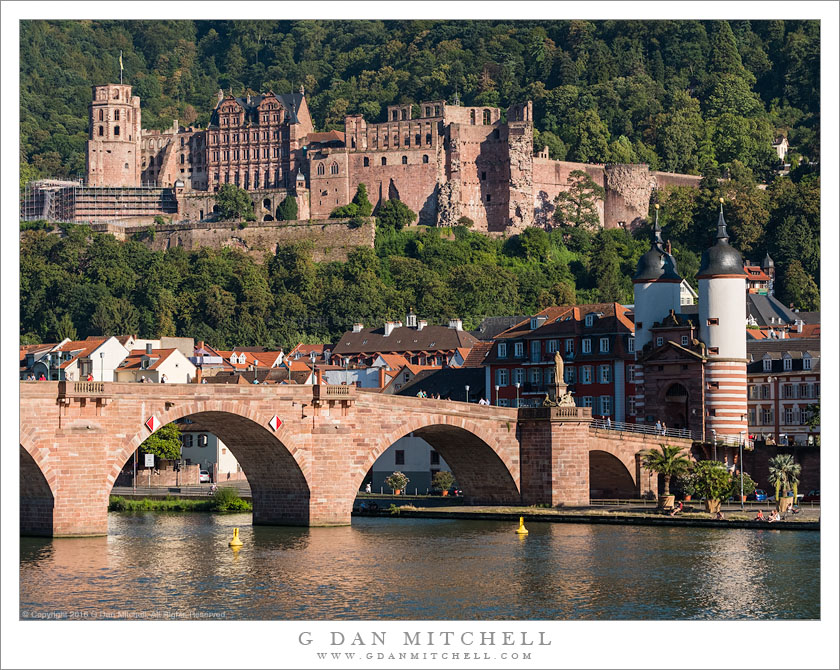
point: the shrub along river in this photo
(165, 565)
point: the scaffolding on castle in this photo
(72, 201)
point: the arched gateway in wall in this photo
(304, 449)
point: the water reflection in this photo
(420, 569)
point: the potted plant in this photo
(749, 486)
(443, 480)
(784, 475)
(397, 481)
(669, 463)
(713, 482)
(684, 486)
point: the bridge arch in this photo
(611, 475)
(37, 501)
(277, 472)
(487, 473)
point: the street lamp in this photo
(497, 395)
(467, 387)
(741, 463)
(517, 393)
(102, 366)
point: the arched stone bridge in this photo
(75, 438)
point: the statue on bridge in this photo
(562, 397)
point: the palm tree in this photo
(668, 463)
(784, 473)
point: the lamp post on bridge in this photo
(741, 463)
(517, 394)
(467, 388)
(102, 366)
(497, 395)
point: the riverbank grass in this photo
(224, 500)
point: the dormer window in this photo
(806, 362)
(589, 320)
(787, 363)
(768, 364)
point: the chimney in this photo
(318, 374)
(799, 323)
(357, 327)
(198, 375)
(148, 349)
(382, 378)
(421, 324)
(455, 324)
(389, 327)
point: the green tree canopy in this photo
(234, 203)
(165, 443)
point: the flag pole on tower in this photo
(121, 66)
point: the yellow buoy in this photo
(521, 530)
(236, 542)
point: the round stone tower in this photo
(656, 287)
(722, 313)
(113, 147)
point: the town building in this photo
(155, 365)
(200, 446)
(412, 456)
(597, 345)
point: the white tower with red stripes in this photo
(722, 314)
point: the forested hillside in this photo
(683, 96)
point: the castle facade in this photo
(443, 161)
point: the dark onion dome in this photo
(657, 264)
(721, 259)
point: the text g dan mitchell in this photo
(428, 639)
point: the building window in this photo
(570, 346)
(334, 168)
(428, 138)
(434, 457)
(188, 441)
(631, 345)
(502, 377)
(321, 170)
(488, 197)
(504, 402)
(536, 375)
(366, 161)
(789, 416)
(605, 344)
(751, 417)
(684, 340)
(483, 176)
(202, 440)
(604, 374)
(586, 401)
(788, 363)
(101, 115)
(399, 457)
(589, 320)
(101, 131)
(116, 115)
(502, 350)
(486, 117)
(405, 160)
(752, 392)
(116, 131)
(767, 416)
(659, 341)
(803, 391)
(519, 376)
(384, 161)
(806, 362)
(787, 391)
(768, 365)
(569, 375)
(551, 347)
(472, 117)
(518, 349)
(587, 346)
(586, 374)
(425, 156)
(712, 322)
(765, 391)
(606, 405)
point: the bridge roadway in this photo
(306, 449)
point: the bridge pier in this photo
(554, 455)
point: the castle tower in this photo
(769, 268)
(722, 311)
(656, 287)
(113, 147)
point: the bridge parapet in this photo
(555, 414)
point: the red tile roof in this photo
(134, 359)
(475, 359)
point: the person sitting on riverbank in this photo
(719, 516)
(774, 517)
(674, 511)
(759, 516)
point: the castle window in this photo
(334, 168)
(384, 161)
(366, 161)
(488, 197)
(403, 115)
(437, 110)
(128, 115)
(486, 117)
(394, 115)
(428, 138)
(472, 117)
(182, 141)
(116, 94)
(405, 160)
(101, 131)
(428, 111)
(101, 115)
(116, 131)
(396, 140)
(126, 166)
(182, 159)
(425, 158)
(321, 169)
(483, 176)
(416, 139)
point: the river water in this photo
(158, 566)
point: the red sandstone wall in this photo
(551, 177)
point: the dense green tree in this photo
(234, 203)
(365, 208)
(164, 443)
(798, 289)
(394, 215)
(577, 205)
(288, 209)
